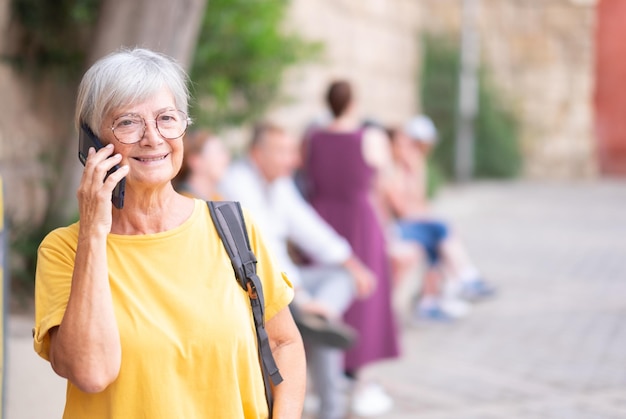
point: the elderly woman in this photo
(138, 307)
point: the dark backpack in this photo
(231, 227)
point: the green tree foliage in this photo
(497, 153)
(53, 35)
(496, 150)
(439, 95)
(241, 55)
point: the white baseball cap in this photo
(421, 128)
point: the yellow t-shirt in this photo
(188, 339)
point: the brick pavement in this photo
(551, 346)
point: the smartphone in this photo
(87, 139)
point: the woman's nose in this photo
(151, 133)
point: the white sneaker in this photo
(311, 403)
(452, 289)
(455, 307)
(371, 400)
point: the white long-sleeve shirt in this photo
(281, 215)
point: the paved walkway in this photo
(551, 346)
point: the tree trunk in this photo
(170, 27)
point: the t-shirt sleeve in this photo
(53, 279)
(277, 289)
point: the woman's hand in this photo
(364, 278)
(94, 192)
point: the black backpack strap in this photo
(230, 225)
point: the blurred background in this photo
(526, 95)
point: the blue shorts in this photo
(429, 234)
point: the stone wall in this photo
(541, 57)
(372, 43)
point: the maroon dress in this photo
(340, 188)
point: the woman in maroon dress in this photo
(342, 164)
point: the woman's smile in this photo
(151, 159)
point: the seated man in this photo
(262, 181)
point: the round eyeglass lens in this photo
(130, 128)
(171, 124)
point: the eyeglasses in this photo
(131, 128)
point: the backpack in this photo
(231, 227)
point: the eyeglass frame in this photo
(156, 125)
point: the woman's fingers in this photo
(100, 163)
(96, 186)
(97, 164)
(115, 177)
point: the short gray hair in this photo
(124, 77)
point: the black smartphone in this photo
(87, 139)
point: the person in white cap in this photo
(407, 201)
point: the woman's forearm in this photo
(288, 352)
(86, 348)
